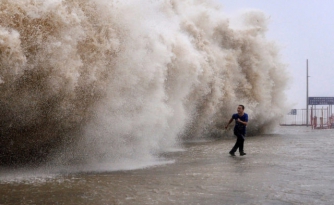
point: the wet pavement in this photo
(293, 166)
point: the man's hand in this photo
(242, 122)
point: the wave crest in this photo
(127, 80)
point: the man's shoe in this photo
(232, 153)
(242, 153)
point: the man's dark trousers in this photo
(239, 143)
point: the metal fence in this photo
(295, 117)
(317, 118)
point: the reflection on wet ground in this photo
(295, 166)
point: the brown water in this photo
(124, 80)
(292, 167)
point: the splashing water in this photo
(117, 82)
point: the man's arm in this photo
(229, 122)
(245, 118)
(242, 122)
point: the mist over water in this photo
(115, 83)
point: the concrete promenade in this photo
(294, 166)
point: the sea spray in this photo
(110, 83)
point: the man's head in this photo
(240, 109)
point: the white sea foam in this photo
(126, 80)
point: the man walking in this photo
(241, 120)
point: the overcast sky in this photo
(305, 30)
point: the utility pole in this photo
(307, 92)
